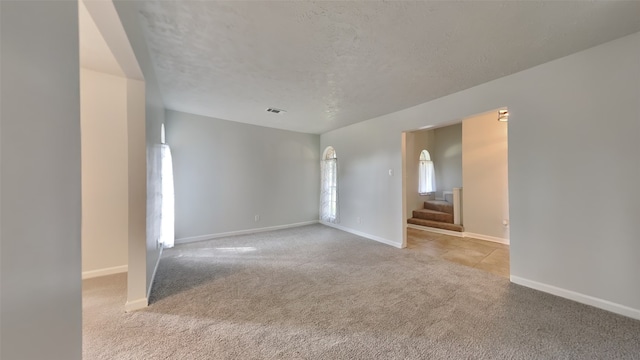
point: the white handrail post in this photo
(457, 206)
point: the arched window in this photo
(427, 180)
(329, 186)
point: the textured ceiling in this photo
(331, 64)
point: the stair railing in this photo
(457, 206)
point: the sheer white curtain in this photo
(167, 216)
(427, 174)
(329, 189)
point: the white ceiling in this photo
(331, 64)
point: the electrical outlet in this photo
(358, 220)
(256, 218)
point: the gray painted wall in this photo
(366, 152)
(226, 173)
(567, 231)
(40, 181)
(445, 147)
(574, 140)
(416, 142)
(447, 158)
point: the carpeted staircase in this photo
(436, 214)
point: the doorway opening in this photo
(464, 216)
(112, 96)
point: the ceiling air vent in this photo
(275, 111)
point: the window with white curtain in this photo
(427, 175)
(329, 186)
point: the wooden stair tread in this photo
(439, 205)
(436, 224)
(428, 214)
(431, 211)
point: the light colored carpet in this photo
(318, 293)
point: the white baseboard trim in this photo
(460, 234)
(104, 272)
(487, 238)
(578, 297)
(241, 232)
(153, 276)
(436, 230)
(136, 304)
(364, 235)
